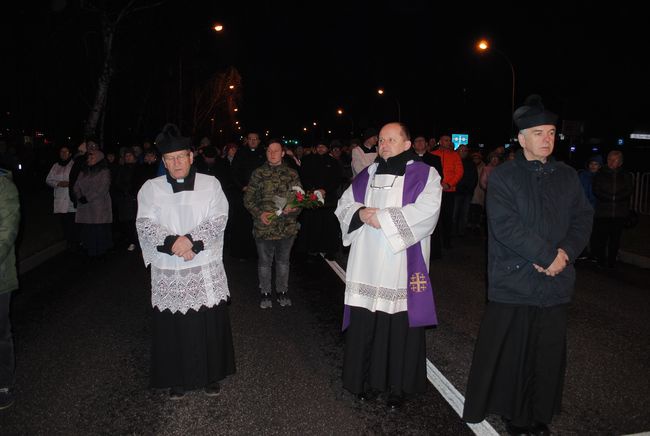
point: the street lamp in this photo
(484, 45)
(218, 27)
(381, 91)
(340, 112)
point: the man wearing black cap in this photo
(366, 153)
(539, 220)
(181, 220)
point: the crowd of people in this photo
(389, 197)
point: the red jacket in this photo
(452, 167)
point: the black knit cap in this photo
(532, 114)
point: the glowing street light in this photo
(218, 27)
(340, 112)
(381, 91)
(483, 46)
(231, 86)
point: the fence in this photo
(641, 197)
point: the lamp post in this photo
(381, 91)
(483, 45)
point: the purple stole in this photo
(420, 304)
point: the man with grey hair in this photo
(612, 186)
(539, 221)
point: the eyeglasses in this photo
(180, 157)
(373, 186)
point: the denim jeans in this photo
(7, 362)
(266, 251)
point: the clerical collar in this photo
(395, 165)
(186, 184)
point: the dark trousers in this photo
(447, 217)
(461, 212)
(70, 230)
(606, 239)
(7, 361)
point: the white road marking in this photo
(439, 381)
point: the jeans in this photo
(7, 361)
(266, 251)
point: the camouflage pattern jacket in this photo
(268, 182)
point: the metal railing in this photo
(640, 201)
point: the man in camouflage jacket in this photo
(9, 220)
(274, 221)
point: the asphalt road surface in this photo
(83, 332)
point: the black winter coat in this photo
(533, 209)
(612, 189)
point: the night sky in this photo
(300, 61)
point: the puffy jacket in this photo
(533, 209)
(9, 220)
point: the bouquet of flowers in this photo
(298, 199)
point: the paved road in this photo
(83, 336)
(82, 342)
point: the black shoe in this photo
(540, 429)
(366, 396)
(394, 401)
(176, 393)
(213, 390)
(515, 430)
(6, 398)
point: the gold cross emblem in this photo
(418, 282)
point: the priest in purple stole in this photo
(387, 216)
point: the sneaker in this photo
(284, 300)
(6, 398)
(266, 302)
(213, 390)
(131, 247)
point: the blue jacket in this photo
(533, 209)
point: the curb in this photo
(634, 259)
(31, 262)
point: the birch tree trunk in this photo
(99, 105)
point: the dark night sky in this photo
(299, 61)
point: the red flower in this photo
(299, 196)
(313, 197)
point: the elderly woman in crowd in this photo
(94, 211)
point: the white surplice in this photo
(376, 274)
(178, 285)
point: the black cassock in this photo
(320, 231)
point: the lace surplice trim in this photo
(151, 234)
(210, 232)
(402, 226)
(190, 288)
(376, 292)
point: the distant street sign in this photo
(459, 139)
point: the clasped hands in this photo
(183, 248)
(557, 266)
(369, 216)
